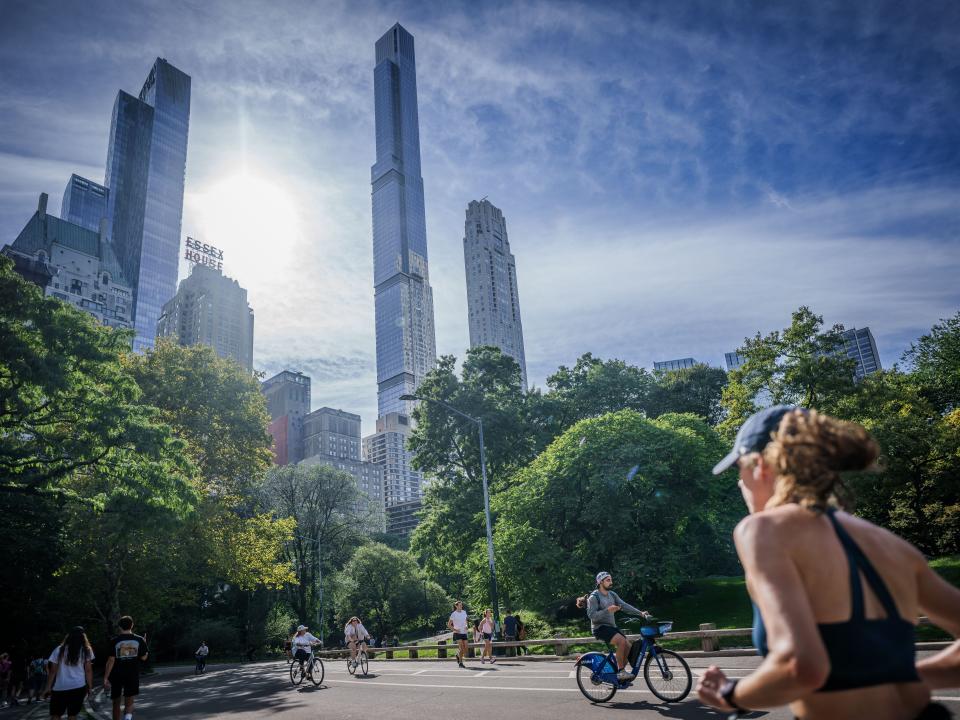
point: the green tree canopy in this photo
(803, 364)
(66, 402)
(935, 362)
(593, 387)
(619, 492)
(388, 591)
(694, 390)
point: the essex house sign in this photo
(203, 254)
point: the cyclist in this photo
(602, 604)
(201, 655)
(357, 636)
(302, 644)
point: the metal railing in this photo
(708, 635)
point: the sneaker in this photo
(483, 661)
(354, 664)
(492, 660)
(624, 675)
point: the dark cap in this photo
(754, 434)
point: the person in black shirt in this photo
(122, 674)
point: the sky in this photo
(675, 176)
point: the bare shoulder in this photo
(880, 538)
(779, 524)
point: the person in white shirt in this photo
(356, 635)
(302, 643)
(458, 623)
(71, 674)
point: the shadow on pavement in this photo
(684, 711)
(268, 692)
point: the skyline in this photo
(640, 192)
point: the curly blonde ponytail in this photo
(808, 453)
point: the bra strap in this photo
(859, 562)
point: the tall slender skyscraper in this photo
(146, 165)
(493, 300)
(406, 344)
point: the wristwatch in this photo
(726, 692)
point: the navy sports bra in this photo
(862, 652)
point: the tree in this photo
(803, 365)
(594, 387)
(935, 362)
(66, 402)
(386, 586)
(618, 492)
(324, 503)
(213, 404)
(446, 446)
(694, 390)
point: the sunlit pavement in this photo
(417, 691)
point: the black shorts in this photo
(126, 684)
(607, 632)
(67, 701)
(460, 636)
(487, 636)
(301, 655)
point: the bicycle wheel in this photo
(668, 675)
(364, 663)
(594, 690)
(296, 673)
(350, 668)
(316, 671)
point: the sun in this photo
(247, 216)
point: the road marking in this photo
(573, 673)
(481, 674)
(487, 687)
(418, 672)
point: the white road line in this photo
(486, 687)
(946, 698)
(481, 674)
(572, 673)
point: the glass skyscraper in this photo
(146, 165)
(406, 344)
(84, 203)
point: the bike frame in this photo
(649, 645)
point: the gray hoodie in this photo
(598, 613)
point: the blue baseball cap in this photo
(754, 434)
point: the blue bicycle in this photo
(665, 672)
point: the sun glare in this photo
(245, 213)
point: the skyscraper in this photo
(734, 360)
(680, 364)
(210, 309)
(146, 165)
(84, 203)
(860, 346)
(288, 402)
(406, 344)
(493, 302)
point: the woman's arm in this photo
(51, 677)
(940, 601)
(88, 671)
(797, 663)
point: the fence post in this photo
(470, 651)
(710, 643)
(389, 654)
(413, 653)
(441, 652)
(559, 648)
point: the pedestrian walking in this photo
(36, 678)
(458, 623)
(486, 631)
(521, 635)
(18, 677)
(835, 597)
(510, 631)
(477, 635)
(71, 674)
(122, 673)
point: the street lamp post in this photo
(486, 502)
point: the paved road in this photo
(421, 690)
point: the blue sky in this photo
(675, 176)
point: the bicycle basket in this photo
(656, 630)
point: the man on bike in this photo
(201, 655)
(602, 604)
(302, 643)
(356, 635)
